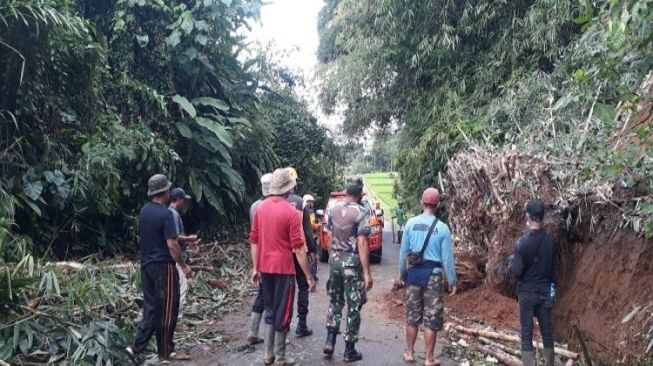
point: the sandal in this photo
(408, 359)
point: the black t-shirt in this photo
(156, 223)
(535, 260)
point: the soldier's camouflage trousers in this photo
(346, 283)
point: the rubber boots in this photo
(280, 350)
(549, 356)
(269, 358)
(302, 329)
(351, 354)
(255, 323)
(330, 344)
(528, 358)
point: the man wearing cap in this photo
(178, 198)
(349, 277)
(258, 306)
(159, 277)
(275, 235)
(429, 239)
(302, 284)
(533, 263)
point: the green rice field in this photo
(381, 187)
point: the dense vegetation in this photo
(96, 96)
(499, 72)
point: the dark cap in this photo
(354, 185)
(178, 193)
(535, 210)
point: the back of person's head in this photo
(266, 181)
(354, 186)
(431, 198)
(535, 210)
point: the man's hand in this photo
(311, 284)
(188, 272)
(452, 290)
(369, 282)
(256, 278)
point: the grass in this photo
(381, 188)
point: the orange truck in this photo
(375, 240)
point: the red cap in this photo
(431, 196)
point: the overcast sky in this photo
(291, 26)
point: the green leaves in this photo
(217, 129)
(184, 130)
(216, 103)
(185, 105)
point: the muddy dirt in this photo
(487, 306)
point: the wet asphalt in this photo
(381, 341)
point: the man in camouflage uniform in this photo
(350, 276)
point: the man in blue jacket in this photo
(429, 239)
(533, 263)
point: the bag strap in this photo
(428, 237)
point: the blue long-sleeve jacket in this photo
(440, 247)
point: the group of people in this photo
(283, 253)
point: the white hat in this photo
(266, 180)
(308, 197)
(282, 182)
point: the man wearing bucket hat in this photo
(533, 263)
(426, 254)
(159, 277)
(178, 198)
(275, 235)
(309, 211)
(302, 283)
(349, 277)
(258, 306)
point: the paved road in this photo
(382, 339)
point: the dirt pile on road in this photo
(605, 263)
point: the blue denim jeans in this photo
(535, 305)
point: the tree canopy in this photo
(98, 96)
(506, 72)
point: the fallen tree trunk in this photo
(500, 346)
(508, 338)
(503, 357)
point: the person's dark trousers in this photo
(258, 306)
(160, 282)
(278, 297)
(302, 290)
(531, 305)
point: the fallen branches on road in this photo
(508, 338)
(503, 357)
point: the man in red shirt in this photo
(276, 234)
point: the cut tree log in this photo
(503, 357)
(500, 346)
(569, 362)
(508, 338)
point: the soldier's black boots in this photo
(330, 343)
(302, 329)
(351, 354)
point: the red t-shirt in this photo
(277, 230)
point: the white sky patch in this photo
(290, 26)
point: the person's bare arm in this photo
(364, 253)
(302, 258)
(253, 250)
(175, 253)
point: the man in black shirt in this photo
(159, 278)
(302, 283)
(533, 263)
